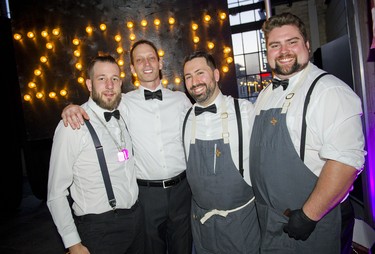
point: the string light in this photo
(31, 85)
(31, 35)
(161, 52)
(171, 20)
(43, 59)
(17, 36)
(81, 80)
(144, 22)
(56, 31)
(103, 27)
(78, 66)
(37, 72)
(75, 42)
(77, 53)
(44, 34)
(227, 50)
(132, 37)
(225, 68)
(63, 92)
(120, 62)
(52, 95)
(156, 22)
(89, 30)
(222, 15)
(130, 24)
(118, 38)
(27, 97)
(39, 95)
(49, 45)
(119, 50)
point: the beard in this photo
(201, 98)
(105, 104)
(286, 70)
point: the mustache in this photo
(285, 56)
(198, 85)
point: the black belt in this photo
(162, 183)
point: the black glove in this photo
(299, 226)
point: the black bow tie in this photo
(199, 110)
(277, 82)
(153, 95)
(108, 115)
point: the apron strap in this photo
(240, 141)
(183, 130)
(303, 131)
(224, 123)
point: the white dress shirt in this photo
(154, 126)
(334, 126)
(74, 164)
(209, 127)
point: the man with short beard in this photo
(153, 115)
(101, 223)
(306, 149)
(216, 137)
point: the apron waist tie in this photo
(223, 213)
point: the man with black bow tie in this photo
(153, 115)
(75, 171)
(216, 140)
(306, 149)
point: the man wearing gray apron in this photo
(224, 217)
(302, 160)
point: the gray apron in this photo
(223, 212)
(281, 180)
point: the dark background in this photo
(33, 122)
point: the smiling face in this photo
(287, 51)
(201, 80)
(105, 85)
(146, 65)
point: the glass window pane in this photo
(237, 44)
(250, 42)
(252, 63)
(234, 19)
(232, 3)
(246, 2)
(247, 16)
(239, 65)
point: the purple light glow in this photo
(370, 175)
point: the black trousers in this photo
(347, 226)
(167, 218)
(115, 232)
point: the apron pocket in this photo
(271, 226)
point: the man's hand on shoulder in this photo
(73, 115)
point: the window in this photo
(252, 71)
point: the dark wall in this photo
(13, 128)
